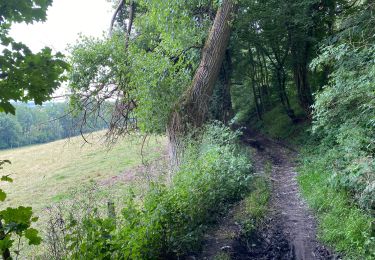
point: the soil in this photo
(288, 230)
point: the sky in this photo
(65, 20)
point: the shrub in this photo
(170, 220)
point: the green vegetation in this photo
(25, 75)
(297, 70)
(46, 173)
(41, 124)
(170, 219)
(15, 224)
(255, 204)
(342, 224)
(222, 256)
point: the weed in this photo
(255, 204)
(169, 220)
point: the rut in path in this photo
(289, 231)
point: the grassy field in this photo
(44, 174)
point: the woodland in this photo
(42, 124)
(229, 82)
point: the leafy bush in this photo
(344, 110)
(343, 118)
(169, 221)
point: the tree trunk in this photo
(281, 78)
(300, 59)
(192, 108)
(257, 106)
(303, 87)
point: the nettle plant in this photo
(15, 224)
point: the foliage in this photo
(272, 44)
(255, 207)
(15, 222)
(25, 75)
(344, 111)
(342, 224)
(170, 219)
(147, 78)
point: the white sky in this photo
(66, 19)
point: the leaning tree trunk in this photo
(192, 108)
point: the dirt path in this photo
(289, 231)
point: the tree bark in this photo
(281, 75)
(192, 109)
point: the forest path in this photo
(289, 229)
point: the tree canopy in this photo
(301, 57)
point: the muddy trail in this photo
(289, 229)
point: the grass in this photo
(222, 256)
(278, 125)
(169, 220)
(342, 225)
(255, 204)
(46, 173)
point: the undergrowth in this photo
(342, 224)
(169, 220)
(345, 223)
(255, 205)
(276, 124)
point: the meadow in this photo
(46, 174)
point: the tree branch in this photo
(119, 7)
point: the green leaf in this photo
(6, 178)
(20, 215)
(2, 195)
(2, 162)
(5, 243)
(32, 235)
(7, 107)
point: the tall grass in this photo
(342, 225)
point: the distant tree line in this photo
(40, 124)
